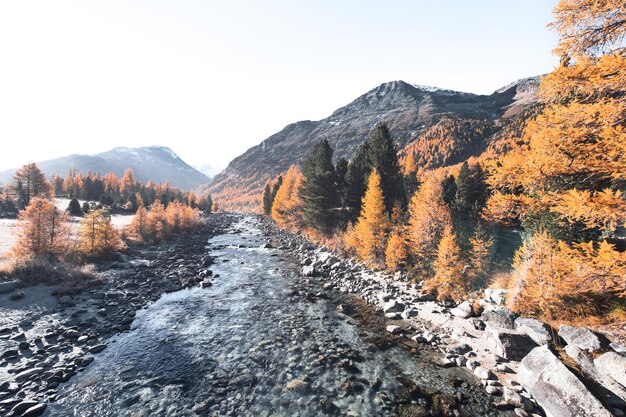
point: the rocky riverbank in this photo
(47, 337)
(524, 364)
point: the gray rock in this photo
(308, 271)
(555, 388)
(393, 306)
(483, 373)
(606, 387)
(500, 317)
(27, 374)
(394, 329)
(463, 310)
(582, 338)
(7, 286)
(35, 411)
(613, 365)
(459, 349)
(510, 344)
(97, 348)
(618, 348)
(476, 323)
(535, 329)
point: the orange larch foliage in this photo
(287, 207)
(372, 225)
(97, 238)
(449, 279)
(428, 216)
(396, 254)
(554, 280)
(42, 231)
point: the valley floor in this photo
(254, 338)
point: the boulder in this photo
(555, 388)
(394, 329)
(582, 338)
(496, 296)
(606, 388)
(613, 365)
(510, 344)
(463, 310)
(393, 306)
(500, 317)
(7, 286)
(535, 329)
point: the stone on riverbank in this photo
(510, 344)
(555, 388)
(538, 331)
(613, 365)
(582, 338)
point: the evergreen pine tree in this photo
(449, 190)
(267, 200)
(383, 156)
(320, 196)
(357, 173)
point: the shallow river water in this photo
(262, 341)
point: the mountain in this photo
(469, 122)
(150, 163)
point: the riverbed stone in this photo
(535, 329)
(463, 310)
(583, 338)
(613, 365)
(393, 306)
(510, 344)
(393, 329)
(500, 317)
(7, 286)
(557, 389)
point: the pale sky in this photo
(210, 79)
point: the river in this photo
(262, 341)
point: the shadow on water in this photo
(263, 341)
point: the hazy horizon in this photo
(209, 80)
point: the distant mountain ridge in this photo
(149, 163)
(409, 110)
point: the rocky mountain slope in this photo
(150, 163)
(409, 110)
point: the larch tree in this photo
(319, 193)
(428, 216)
(373, 223)
(28, 183)
(449, 279)
(396, 253)
(97, 238)
(287, 207)
(480, 253)
(138, 227)
(127, 183)
(42, 232)
(572, 172)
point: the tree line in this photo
(45, 234)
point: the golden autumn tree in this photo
(97, 238)
(428, 216)
(42, 232)
(396, 253)
(574, 166)
(139, 225)
(156, 223)
(568, 181)
(556, 281)
(287, 206)
(479, 254)
(449, 279)
(372, 225)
